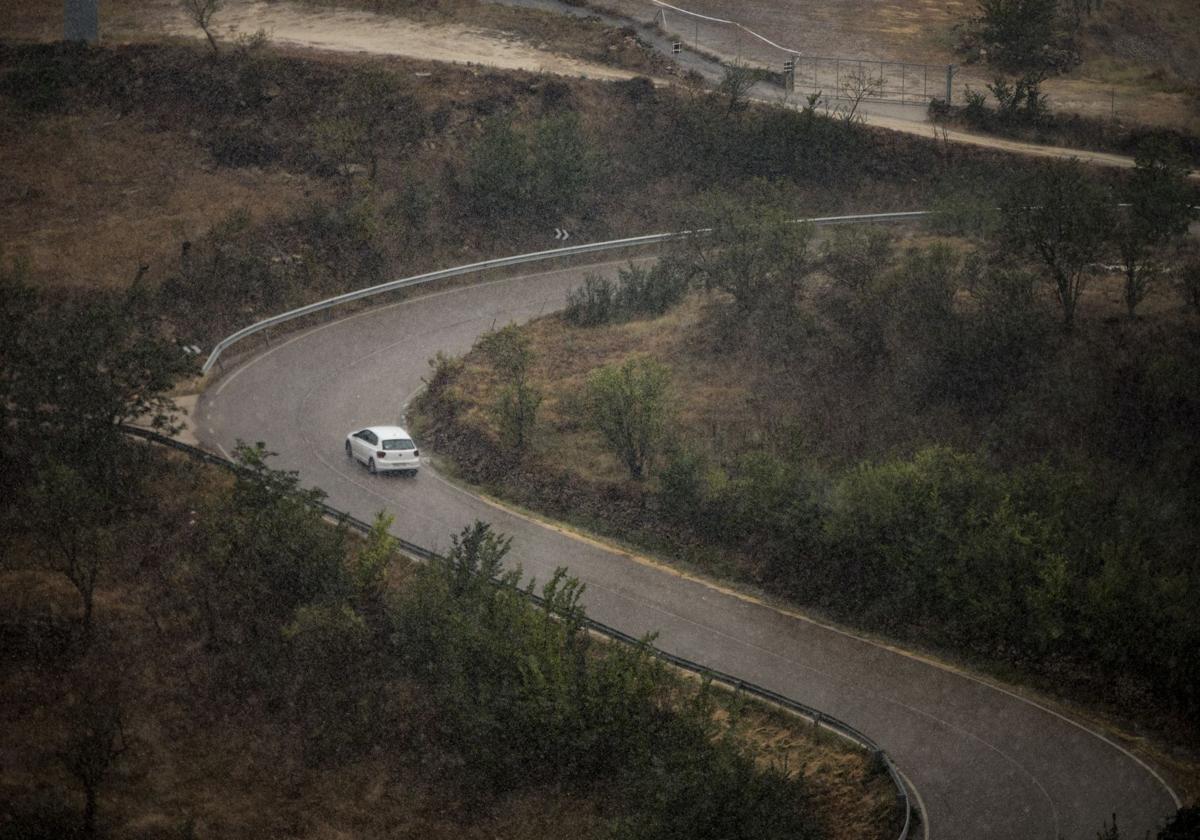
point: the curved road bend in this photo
(985, 764)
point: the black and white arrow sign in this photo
(560, 233)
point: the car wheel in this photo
(371, 466)
(349, 450)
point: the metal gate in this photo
(861, 80)
(868, 81)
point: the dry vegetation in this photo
(90, 196)
(205, 760)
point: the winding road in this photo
(984, 763)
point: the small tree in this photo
(735, 86)
(1159, 210)
(759, 257)
(84, 366)
(629, 408)
(1062, 218)
(498, 171)
(1017, 32)
(96, 740)
(857, 87)
(370, 565)
(518, 402)
(71, 521)
(256, 556)
(201, 13)
(563, 164)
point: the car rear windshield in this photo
(399, 443)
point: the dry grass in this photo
(841, 780)
(87, 197)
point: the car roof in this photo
(389, 431)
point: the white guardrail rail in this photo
(503, 262)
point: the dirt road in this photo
(340, 30)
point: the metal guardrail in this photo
(818, 717)
(503, 262)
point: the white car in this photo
(384, 449)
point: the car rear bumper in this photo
(387, 465)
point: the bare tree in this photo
(736, 85)
(201, 13)
(857, 86)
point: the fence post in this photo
(949, 83)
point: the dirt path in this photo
(913, 31)
(339, 30)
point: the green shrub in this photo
(638, 291)
(563, 165)
(650, 291)
(629, 408)
(592, 304)
(497, 173)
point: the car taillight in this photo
(416, 452)
(380, 454)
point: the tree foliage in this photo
(628, 406)
(524, 696)
(537, 172)
(1159, 209)
(256, 556)
(1061, 217)
(518, 401)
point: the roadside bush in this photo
(497, 172)
(523, 696)
(258, 556)
(563, 165)
(638, 291)
(682, 486)
(768, 507)
(629, 408)
(651, 291)
(224, 280)
(939, 542)
(543, 176)
(516, 405)
(592, 304)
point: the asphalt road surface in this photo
(983, 762)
